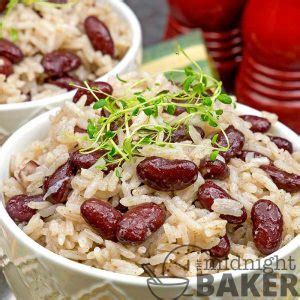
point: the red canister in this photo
(269, 76)
(219, 20)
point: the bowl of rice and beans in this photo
(140, 165)
(48, 49)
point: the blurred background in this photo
(153, 17)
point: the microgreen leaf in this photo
(127, 146)
(91, 129)
(99, 104)
(141, 99)
(214, 138)
(214, 154)
(199, 88)
(109, 134)
(224, 98)
(212, 123)
(171, 109)
(188, 71)
(148, 111)
(204, 118)
(207, 101)
(135, 112)
(188, 81)
(118, 174)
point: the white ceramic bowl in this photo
(14, 115)
(34, 272)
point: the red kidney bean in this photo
(182, 134)
(104, 113)
(78, 129)
(258, 124)
(200, 130)
(18, 209)
(167, 175)
(236, 142)
(208, 192)
(282, 143)
(10, 51)
(65, 81)
(58, 1)
(60, 62)
(267, 226)
(99, 35)
(85, 161)
(222, 249)
(102, 216)
(58, 186)
(179, 110)
(3, 4)
(283, 180)
(138, 223)
(110, 167)
(213, 169)
(255, 154)
(6, 67)
(102, 89)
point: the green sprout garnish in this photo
(198, 93)
(13, 3)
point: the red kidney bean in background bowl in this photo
(208, 192)
(11, 51)
(139, 222)
(14, 115)
(102, 216)
(167, 175)
(65, 81)
(6, 66)
(58, 186)
(101, 90)
(18, 209)
(99, 35)
(60, 62)
(258, 124)
(267, 223)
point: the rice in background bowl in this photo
(126, 33)
(43, 28)
(61, 228)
